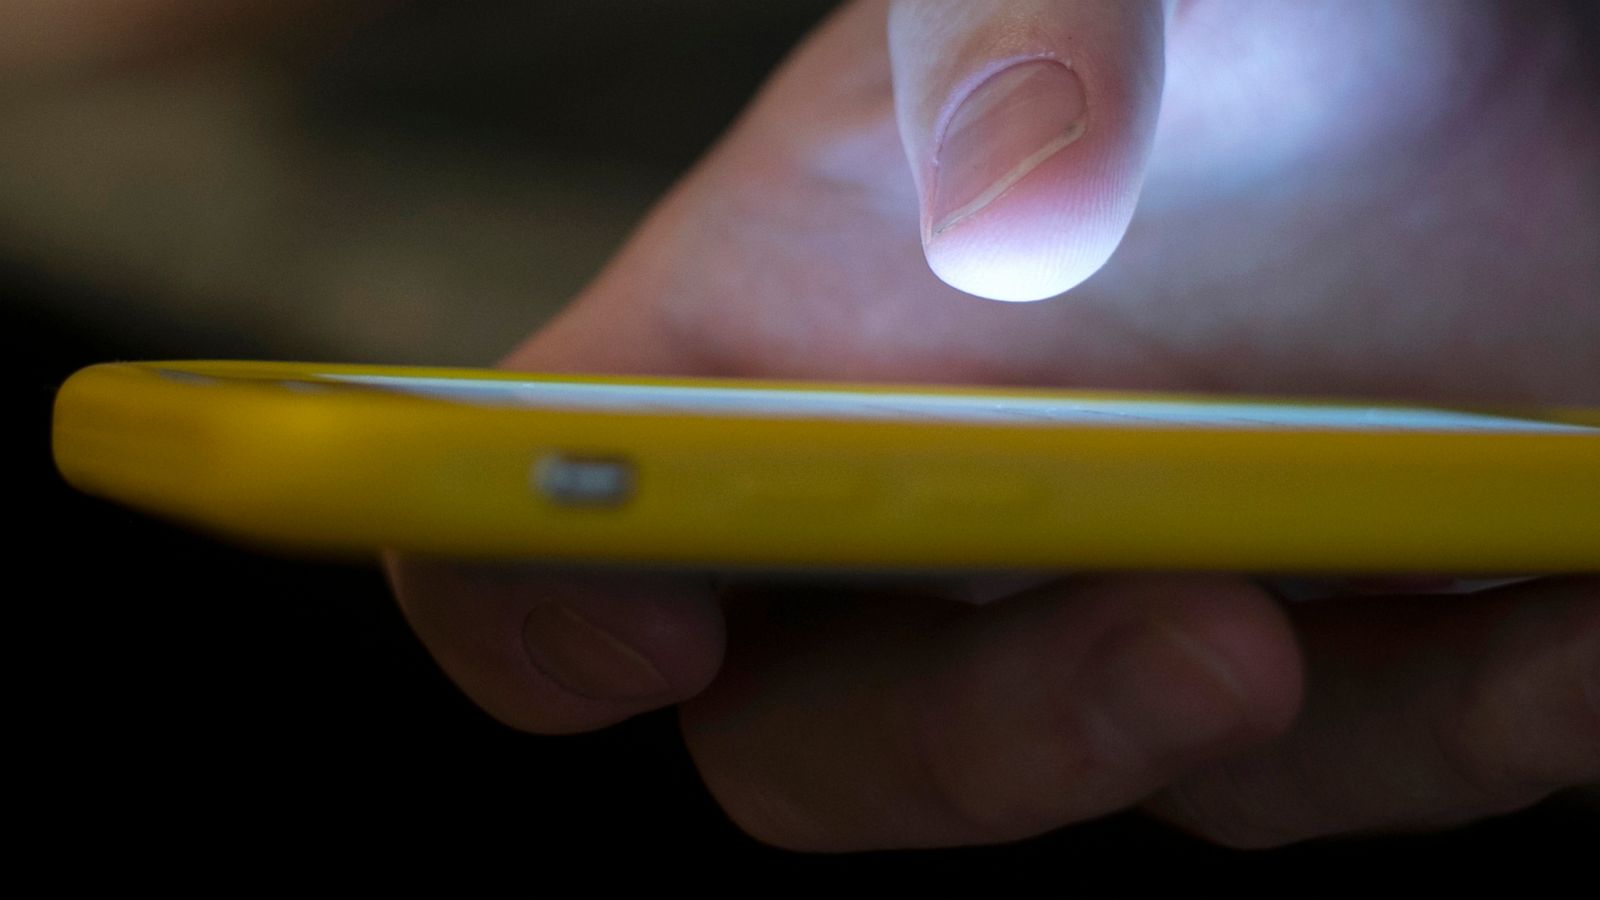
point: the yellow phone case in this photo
(328, 458)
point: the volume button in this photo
(583, 481)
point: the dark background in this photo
(176, 696)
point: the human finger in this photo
(1027, 124)
(1420, 712)
(557, 652)
(855, 723)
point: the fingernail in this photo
(585, 658)
(1006, 128)
(1162, 690)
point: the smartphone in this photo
(721, 473)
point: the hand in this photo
(1352, 198)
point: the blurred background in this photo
(419, 182)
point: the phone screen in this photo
(951, 408)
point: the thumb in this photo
(1027, 124)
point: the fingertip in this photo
(1053, 199)
(1033, 245)
(1028, 195)
(625, 642)
(556, 652)
(1251, 638)
(1027, 127)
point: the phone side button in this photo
(583, 481)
